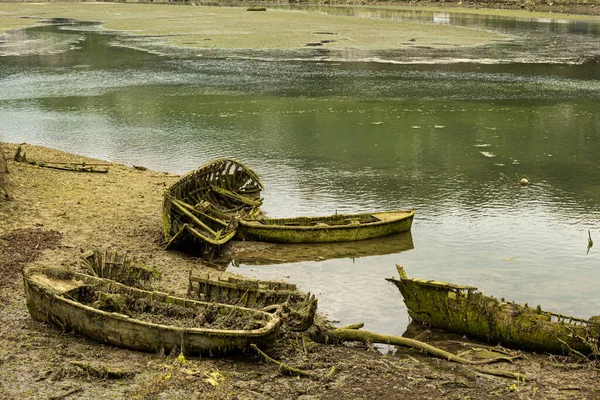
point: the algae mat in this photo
(235, 27)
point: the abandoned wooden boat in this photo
(201, 208)
(119, 266)
(297, 309)
(464, 310)
(113, 313)
(333, 228)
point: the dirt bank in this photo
(54, 215)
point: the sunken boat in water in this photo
(201, 209)
(333, 228)
(296, 308)
(116, 314)
(466, 311)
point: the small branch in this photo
(572, 350)
(353, 326)
(284, 366)
(103, 372)
(66, 394)
(504, 374)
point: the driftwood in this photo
(66, 394)
(281, 365)
(292, 370)
(504, 374)
(354, 334)
(21, 156)
(103, 372)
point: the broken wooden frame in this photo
(296, 308)
(201, 209)
(54, 297)
(464, 310)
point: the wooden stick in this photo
(66, 394)
(282, 365)
(504, 374)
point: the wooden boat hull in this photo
(334, 228)
(48, 300)
(298, 309)
(464, 310)
(198, 209)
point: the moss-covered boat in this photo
(333, 228)
(297, 309)
(119, 266)
(464, 310)
(113, 313)
(200, 209)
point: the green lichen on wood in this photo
(120, 267)
(328, 229)
(466, 311)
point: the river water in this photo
(448, 132)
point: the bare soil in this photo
(55, 215)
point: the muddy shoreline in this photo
(55, 215)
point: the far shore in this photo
(216, 26)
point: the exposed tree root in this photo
(355, 335)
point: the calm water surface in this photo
(444, 131)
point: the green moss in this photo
(234, 27)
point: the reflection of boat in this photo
(297, 308)
(333, 228)
(262, 253)
(464, 310)
(200, 209)
(123, 316)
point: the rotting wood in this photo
(120, 267)
(296, 309)
(504, 374)
(156, 319)
(201, 208)
(66, 394)
(355, 335)
(21, 156)
(464, 310)
(291, 370)
(326, 229)
(103, 372)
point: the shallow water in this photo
(444, 131)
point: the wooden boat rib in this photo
(58, 298)
(333, 228)
(119, 267)
(298, 309)
(464, 310)
(200, 209)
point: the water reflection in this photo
(277, 253)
